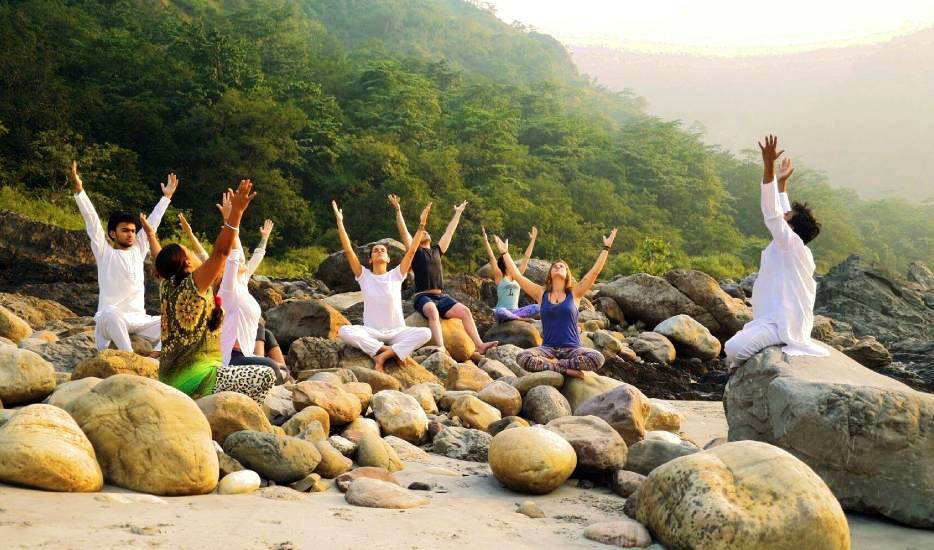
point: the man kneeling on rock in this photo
(383, 334)
(784, 292)
(120, 269)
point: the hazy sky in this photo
(725, 27)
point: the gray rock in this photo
(598, 446)
(653, 347)
(462, 444)
(281, 458)
(542, 404)
(690, 337)
(518, 333)
(648, 454)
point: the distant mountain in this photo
(864, 114)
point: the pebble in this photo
(530, 509)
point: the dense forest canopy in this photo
(354, 99)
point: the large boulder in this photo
(228, 412)
(462, 444)
(740, 496)
(148, 436)
(578, 390)
(37, 312)
(690, 337)
(456, 342)
(410, 373)
(598, 446)
(65, 353)
(312, 353)
(648, 454)
(110, 362)
(281, 458)
(652, 299)
(24, 376)
(342, 406)
(730, 313)
(531, 460)
(375, 451)
(295, 319)
(868, 436)
(335, 272)
(544, 403)
(67, 393)
(41, 446)
(12, 327)
(518, 333)
(625, 408)
(399, 414)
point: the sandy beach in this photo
(468, 509)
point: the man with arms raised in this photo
(383, 334)
(120, 271)
(784, 292)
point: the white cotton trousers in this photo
(403, 340)
(753, 338)
(113, 325)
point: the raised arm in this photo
(196, 247)
(155, 217)
(150, 233)
(404, 235)
(345, 241)
(528, 250)
(770, 202)
(784, 172)
(581, 288)
(406, 262)
(92, 223)
(240, 199)
(445, 240)
(533, 290)
(494, 267)
(260, 251)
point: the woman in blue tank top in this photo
(507, 289)
(559, 300)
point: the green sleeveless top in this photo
(191, 352)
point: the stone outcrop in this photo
(869, 437)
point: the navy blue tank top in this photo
(559, 322)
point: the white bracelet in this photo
(231, 227)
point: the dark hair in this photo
(116, 218)
(501, 263)
(803, 222)
(170, 265)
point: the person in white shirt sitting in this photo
(784, 292)
(120, 269)
(384, 334)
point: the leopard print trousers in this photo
(254, 381)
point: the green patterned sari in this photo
(191, 352)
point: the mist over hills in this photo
(863, 114)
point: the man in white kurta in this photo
(121, 272)
(784, 292)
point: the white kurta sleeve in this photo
(92, 224)
(774, 217)
(783, 200)
(257, 258)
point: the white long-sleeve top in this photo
(785, 289)
(120, 272)
(241, 310)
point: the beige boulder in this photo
(503, 396)
(624, 533)
(625, 408)
(148, 437)
(333, 463)
(690, 337)
(70, 391)
(342, 406)
(543, 378)
(300, 420)
(362, 390)
(24, 376)
(228, 412)
(110, 362)
(425, 397)
(474, 413)
(374, 451)
(343, 481)
(359, 428)
(456, 342)
(378, 381)
(464, 376)
(663, 416)
(410, 373)
(741, 496)
(399, 414)
(373, 493)
(42, 447)
(531, 460)
(578, 390)
(597, 445)
(12, 327)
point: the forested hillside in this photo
(351, 100)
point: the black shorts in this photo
(443, 302)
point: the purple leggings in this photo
(560, 359)
(526, 312)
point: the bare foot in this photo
(482, 348)
(574, 373)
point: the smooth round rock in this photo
(400, 414)
(474, 413)
(543, 378)
(503, 396)
(281, 458)
(598, 446)
(542, 404)
(24, 376)
(531, 460)
(239, 483)
(373, 493)
(228, 412)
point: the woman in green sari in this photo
(191, 316)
